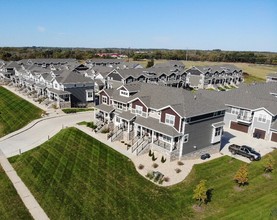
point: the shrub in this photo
(180, 163)
(150, 153)
(268, 163)
(241, 176)
(200, 192)
(155, 165)
(140, 167)
(166, 179)
(105, 131)
(178, 170)
(150, 175)
(161, 181)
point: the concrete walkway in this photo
(26, 196)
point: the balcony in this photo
(245, 119)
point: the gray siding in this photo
(228, 118)
(200, 135)
(78, 95)
(115, 76)
(260, 125)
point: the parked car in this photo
(205, 156)
(245, 151)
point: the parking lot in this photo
(235, 137)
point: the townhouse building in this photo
(251, 109)
(174, 121)
(201, 77)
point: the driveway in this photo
(240, 138)
(38, 132)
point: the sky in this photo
(241, 25)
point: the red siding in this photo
(104, 94)
(138, 102)
(171, 112)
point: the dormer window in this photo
(124, 93)
(169, 119)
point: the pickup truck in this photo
(245, 151)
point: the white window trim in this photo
(105, 98)
(186, 138)
(124, 93)
(169, 118)
(139, 110)
(262, 118)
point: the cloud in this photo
(41, 29)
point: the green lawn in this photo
(15, 112)
(11, 206)
(75, 110)
(74, 176)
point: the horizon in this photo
(248, 26)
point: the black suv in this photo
(245, 151)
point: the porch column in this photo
(171, 144)
(128, 127)
(152, 139)
(94, 114)
(140, 131)
(181, 147)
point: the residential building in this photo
(251, 109)
(171, 120)
(201, 77)
(272, 77)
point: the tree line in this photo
(18, 53)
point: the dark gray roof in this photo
(171, 63)
(127, 115)
(248, 96)
(155, 124)
(105, 108)
(59, 92)
(184, 102)
(13, 64)
(71, 77)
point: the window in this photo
(89, 94)
(169, 119)
(138, 110)
(104, 99)
(262, 118)
(166, 139)
(186, 138)
(124, 93)
(119, 105)
(235, 111)
(217, 131)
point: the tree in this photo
(241, 176)
(268, 163)
(150, 63)
(200, 192)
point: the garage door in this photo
(239, 127)
(274, 137)
(259, 133)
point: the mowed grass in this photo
(11, 206)
(15, 112)
(74, 176)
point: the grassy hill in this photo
(74, 176)
(15, 112)
(11, 206)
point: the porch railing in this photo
(137, 144)
(142, 146)
(115, 136)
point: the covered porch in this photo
(104, 113)
(163, 137)
(62, 98)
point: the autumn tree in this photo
(200, 192)
(241, 176)
(268, 163)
